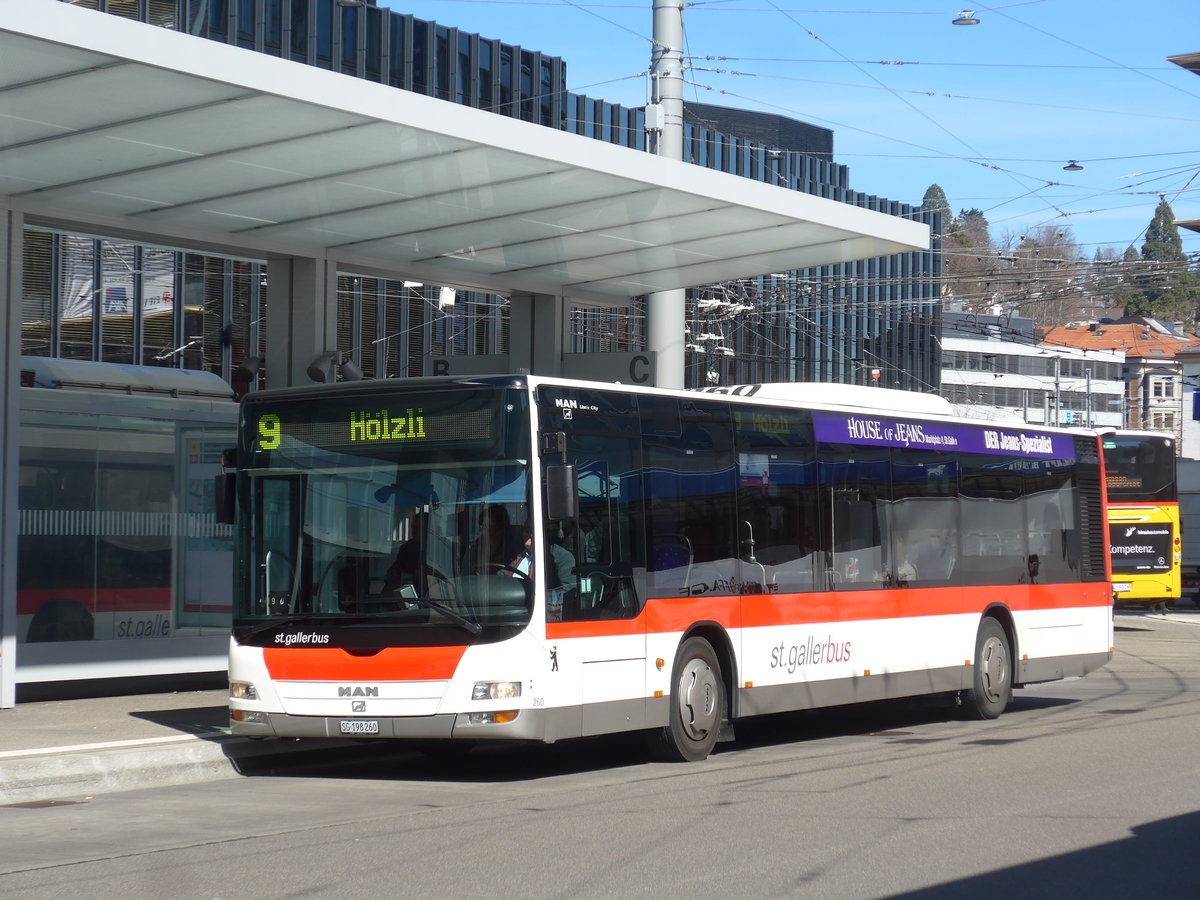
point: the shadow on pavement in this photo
(204, 721)
(1157, 860)
(501, 762)
(120, 687)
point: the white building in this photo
(994, 366)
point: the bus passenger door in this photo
(597, 636)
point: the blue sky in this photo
(991, 112)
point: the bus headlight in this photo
(496, 690)
(242, 690)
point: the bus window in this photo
(689, 492)
(1050, 511)
(856, 489)
(606, 539)
(777, 500)
(994, 546)
(923, 517)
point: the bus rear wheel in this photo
(992, 690)
(697, 705)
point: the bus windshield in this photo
(1139, 468)
(402, 512)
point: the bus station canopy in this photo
(167, 138)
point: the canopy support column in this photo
(666, 311)
(301, 320)
(537, 333)
(12, 227)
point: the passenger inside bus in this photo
(561, 573)
(497, 544)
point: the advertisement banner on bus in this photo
(1140, 548)
(881, 431)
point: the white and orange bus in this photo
(697, 558)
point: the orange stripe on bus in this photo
(770, 610)
(392, 664)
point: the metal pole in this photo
(1057, 391)
(1088, 372)
(666, 318)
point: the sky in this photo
(990, 112)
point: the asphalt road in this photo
(1083, 788)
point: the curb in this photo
(82, 771)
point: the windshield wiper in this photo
(469, 625)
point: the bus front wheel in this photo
(992, 690)
(697, 705)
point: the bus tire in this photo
(697, 704)
(992, 689)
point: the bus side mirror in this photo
(562, 495)
(225, 493)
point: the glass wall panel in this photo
(506, 81)
(441, 62)
(77, 296)
(299, 29)
(526, 86)
(127, 501)
(373, 43)
(420, 56)
(119, 263)
(245, 23)
(218, 19)
(126, 9)
(486, 100)
(397, 51)
(324, 33)
(273, 26)
(462, 87)
(158, 306)
(37, 294)
(349, 40)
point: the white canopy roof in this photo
(160, 135)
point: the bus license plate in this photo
(360, 726)
(1121, 587)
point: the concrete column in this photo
(537, 333)
(11, 241)
(301, 318)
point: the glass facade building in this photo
(867, 322)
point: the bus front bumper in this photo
(527, 725)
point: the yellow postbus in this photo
(1143, 517)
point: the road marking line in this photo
(108, 745)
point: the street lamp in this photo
(966, 17)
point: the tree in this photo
(1044, 278)
(1163, 285)
(935, 201)
(966, 252)
(1112, 272)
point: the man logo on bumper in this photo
(358, 706)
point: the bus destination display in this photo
(349, 427)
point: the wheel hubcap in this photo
(994, 669)
(698, 699)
